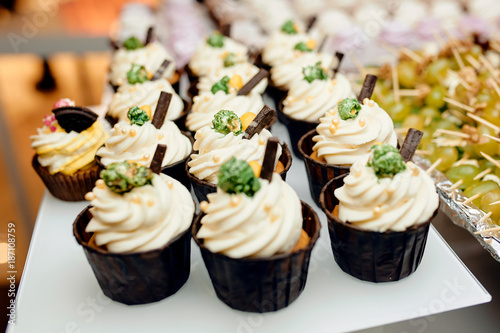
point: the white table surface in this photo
(59, 293)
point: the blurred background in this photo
(49, 49)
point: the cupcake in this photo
(213, 53)
(222, 96)
(140, 90)
(136, 140)
(136, 233)
(310, 98)
(379, 216)
(256, 238)
(152, 56)
(226, 138)
(344, 135)
(65, 150)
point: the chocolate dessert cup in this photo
(370, 255)
(318, 173)
(261, 284)
(202, 187)
(68, 187)
(137, 278)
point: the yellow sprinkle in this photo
(235, 200)
(236, 81)
(99, 183)
(256, 167)
(147, 109)
(353, 111)
(309, 99)
(170, 184)
(332, 112)
(132, 132)
(371, 103)
(116, 127)
(262, 141)
(267, 208)
(377, 210)
(223, 55)
(335, 121)
(136, 199)
(366, 101)
(150, 74)
(150, 203)
(145, 157)
(124, 131)
(216, 158)
(204, 206)
(311, 43)
(274, 217)
(90, 196)
(362, 122)
(160, 136)
(333, 129)
(246, 119)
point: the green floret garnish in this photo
(315, 72)
(236, 176)
(289, 28)
(124, 176)
(226, 121)
(137, 116)
(137, 74)
(349, 108)
(132, 43)
(216, 40)
(230, 59)
(223, 85)
(386, 161)
(302, 47)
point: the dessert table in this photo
(59, 293)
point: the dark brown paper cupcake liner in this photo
(176, 170)
(276, 94)
(137, 278)
(369, 255)
(202, 187)
(318, 173)
(296, 128)
(68, 188)
(179, 121)
(191, 75)
(261, 285)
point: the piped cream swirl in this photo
(382, 204)
(261, 226)
(346, 141)
(146, 218)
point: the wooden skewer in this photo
(401, 130)
(422, 152)
(484, 218)
(495, 86)
(438, 38)
(428, 121)
(491, 159)
(389, 48)
(359, 66)
(434, 166)
(494, 203)
(482, 174)
(484, 122)
(464, 83)
(409, 92)
(454, 133)
(479, 232)
(492, 137)
(411, 54)
(488, 66)
(458, 104)
(456, 185)
(395, 83)
(458, 58)
(476, 64)
(469, 200)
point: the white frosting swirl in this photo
(245, 70)
(146, 218)
(147, 93)
(310, 101)
(352, 139)
(206, 105)
(151, 57)
(261, 226)
(207, 59)
(138, 143)
(214, 149)
(280, 46)
(381, 204)
(290, 70)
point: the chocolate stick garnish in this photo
(159, 71)
(245, 90)
(368, 87)
(339, 56)
(269, 159)
(114, 44)
(149, 36)
(311, 22)
(161, 109)
(410, 144)
(158, 158)
(263, 118)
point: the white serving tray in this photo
(59, 293)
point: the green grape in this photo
(446, 124)
(485, 164)
(388, 102)
(487, 199)
(414, 121)
(486, 96)
(465, 172)
(448, 156)
(461, 92)
(407, 74)
(496, 171)
(431, 112)
(399, 111)
(428, 146)
(489, 146)
(435, 97)
(476, 51)
(436, 71)
(469, 150)
(427, 137)
(482, 188)
(492, 114)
